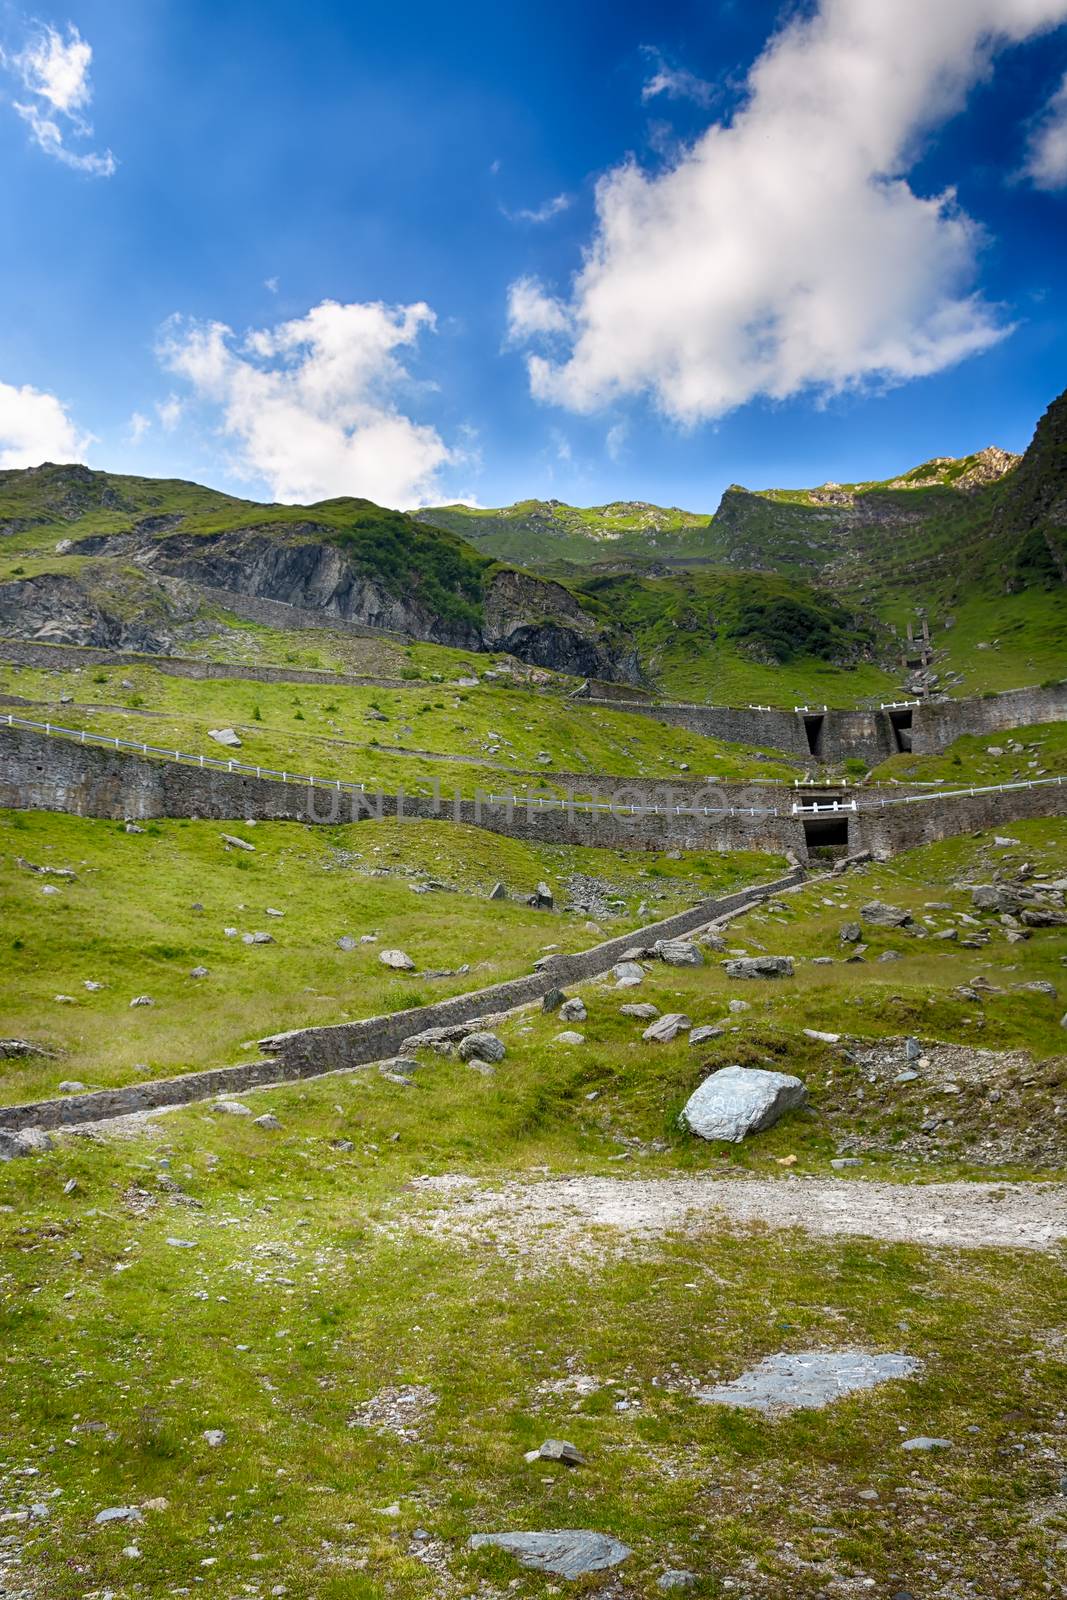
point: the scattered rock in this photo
(760, 967)
(627, 974)
(141, 1000)
(257, 938)
(23, 1142)
(225, 736)
(72, 1086)
(498, 892)
(707, 1031)
(925, 1443)
(823, 1038)
(666, 1028)
(568, 1552)
(557, 1450)
(398, 959)
(736, 1101)
(347, 943)
(269, 1121)
(850, 933)
(214, 1437)
(879, 915)
(679, 953)
(199, 972)
(483, 1046)
(232, 1108)
(568, 1036)
(676, 1578)
(237, 844)
(644, 1010)
(118, 1514)
(573, 1010)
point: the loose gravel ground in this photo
(581, 1214)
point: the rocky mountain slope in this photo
(117, 561)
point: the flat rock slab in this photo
(568, 1552)
(736, 1101)
(807, 1380)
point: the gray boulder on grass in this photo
(666, 1028)
(679, 953)
(572, 1010)
(879, 915)
(23, 1142)
(482, 1047)
(760, 967)
(736, 1101)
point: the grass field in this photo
(376, 735)
(201, 1273)
(130, 922)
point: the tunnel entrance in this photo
(813, 729)
(900, 722)
(821, 832)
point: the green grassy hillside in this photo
(547, 534)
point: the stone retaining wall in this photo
(938, 722)
(39, 772)
(309, 1052)
(869, 735)
(887, 831)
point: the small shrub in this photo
(257, 715)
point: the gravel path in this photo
(580, 1214)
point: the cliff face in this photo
(1032, 508)
(542, 622)
(302, 569)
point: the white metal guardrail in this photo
(541, 802)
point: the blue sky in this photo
(593, 252)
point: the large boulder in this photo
(879, 915)
(679, 953)
(399, 960)
(760, 967)
(23, 1142)
(482, 1047)
(736, 1101)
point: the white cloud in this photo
(542, 213)
(139, 425)
(1046, 161)
(615, 439)
(676, 83)
(36, 427)
(271, 284)
(169, 412)
(54, 71)
(310, 404)
(785, 251)
(532, 312)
